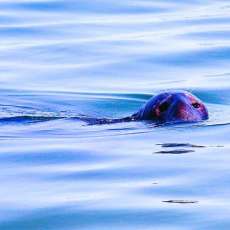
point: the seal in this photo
(175, 106)
(166, 107)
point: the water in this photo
(61, 59)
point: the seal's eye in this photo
(164, 106)
(196, 105)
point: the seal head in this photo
(176, 106)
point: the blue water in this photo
(61, 59)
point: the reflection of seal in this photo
(176, 106)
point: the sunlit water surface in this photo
(61, 59)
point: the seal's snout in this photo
(174, 107)
(187, 107)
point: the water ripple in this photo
(65, 60)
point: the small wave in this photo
(27, 119)
(173, 145)
(176, 151)
(180, 201)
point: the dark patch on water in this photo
(178, 151)
(172, 145)
(180, 201)
(183, 147)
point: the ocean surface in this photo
(61, 59)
